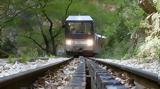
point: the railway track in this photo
(86, 73)
(23, 80)
(132, 77)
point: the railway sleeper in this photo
(101, 79)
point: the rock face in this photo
(151, 46)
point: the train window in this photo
(79, 27)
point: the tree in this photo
(147, 6)
(31, 18)
(50, 42)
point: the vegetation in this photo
(11, 59)
(32, 28)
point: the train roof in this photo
(79, 18)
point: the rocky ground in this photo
(121, 76)
(146, 65)
(61, 77)
(58, 79)
(9, 68)
(149, 66)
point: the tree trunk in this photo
(147, 6)
(53, 51)
(45, 41)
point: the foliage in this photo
(37, 23)
(33, 20)
(157, 4)
(28, 54)
(24, 58)
(151, 45)
(128, 16)
(52, 56)
(158, 51)
(11, 59)
(6, 47)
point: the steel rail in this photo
(144, 74)
(26, 78)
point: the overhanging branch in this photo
(67, 9)
(29, 37)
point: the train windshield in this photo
(80, 27)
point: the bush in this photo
(28, 55)
(11, 59)
(7, 46)
(158, 52)
(158, 5)
(24, 58)
(52, 56)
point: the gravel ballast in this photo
(7, 69)
(149, 66)
(130, 81)
(57, 79)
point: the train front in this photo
(79, 34)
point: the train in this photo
(80, 36)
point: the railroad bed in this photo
(81, 73)
(132, 78)
(25, 79)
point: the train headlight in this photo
(90, 42)
(68, 42)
